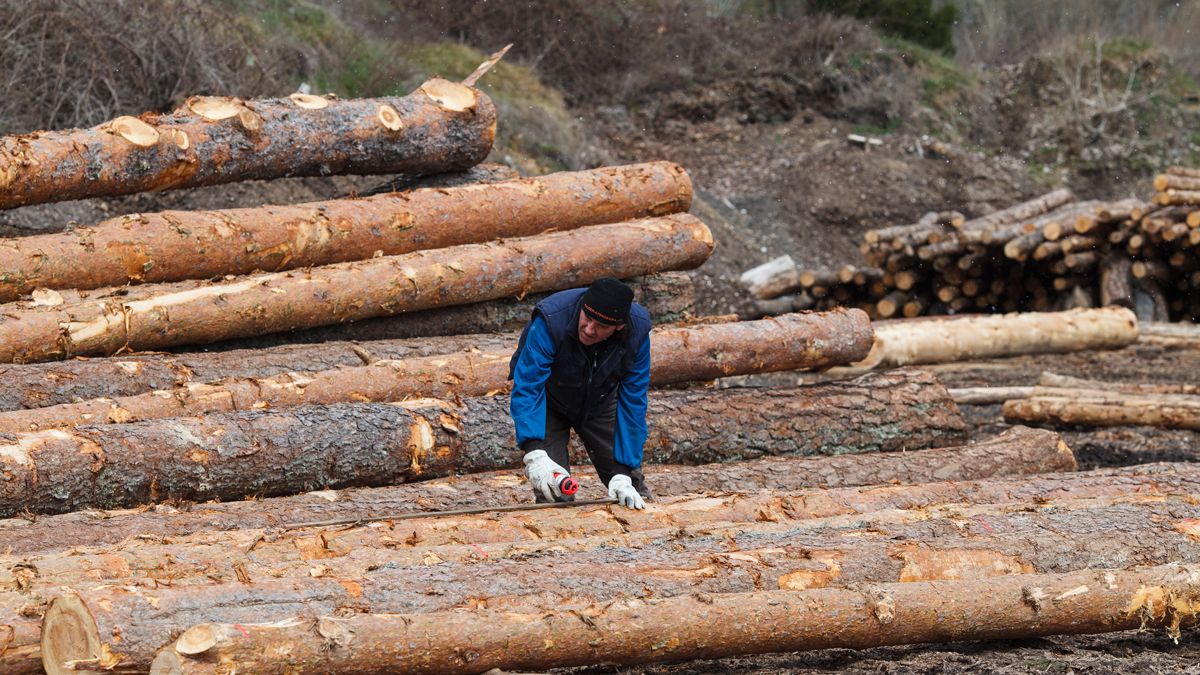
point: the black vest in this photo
(581, 378)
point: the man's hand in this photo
(542, 471)
(621, 489)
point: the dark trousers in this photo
(598, 433)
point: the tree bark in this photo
(1116, 282)
(790, 556)
(443, 127)
(1165, 411)
(940, 340)
(274, 452)
(349, 291)
(1017, 451)
(701, 352)
(178, 245)
(668, 297)
(697, 627)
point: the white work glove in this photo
(621, 489)
(541, 472)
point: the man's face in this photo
(593, 332)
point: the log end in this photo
(167, 662)
(196, 640)
(70, 637)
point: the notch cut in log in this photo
(178, 245)
(342, 137)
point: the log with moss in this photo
(443, 126)
(274, 452)
(178, 245)
(332, 294)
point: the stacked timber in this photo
(1050, 253)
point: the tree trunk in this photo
(178, 245)
(441, 127)
(696, 627)
(702, 352)
(1166, 411)
(1023, 211)
(349, 291)
(1048, 379)
(943, 339)
(790, 556)
(274, 452)
(1017, 451)
(1116, 282)
(668, 297)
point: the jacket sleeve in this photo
(631, 410)
(527, 404)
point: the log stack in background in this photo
(1050, 253)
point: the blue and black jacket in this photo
(552, 367)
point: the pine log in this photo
(1172, 197)
(939, 340)
(177, 245)
(1165, 411)
(1168, 181)
(697, 627)
(1048, 379)
(1023, 211)
(668, 297)
(772, 278)
(1019, 450)
(442, 127)
(701, 352)
(792, 556)
(349, 291)
(273, 452)
(1116, 281)
(1183, 171)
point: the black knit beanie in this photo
(608, 300)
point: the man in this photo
(583, 363)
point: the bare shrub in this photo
(70, 63)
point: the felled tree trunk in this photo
(273, 452)
(700, 352)
(350, 291)
(712, 626)
(940, 340)
(441, 127)
(668, 297)
(1047, 379)
(178, 245)
(1116, 282)
(1019, 450)
(1088, 409)
(790, 556)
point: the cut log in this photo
(1116, 281)
(1023, 211)
(268, 452)
(668, 297)
(349, 291)
(698, 627)
(195, 147)
(793, 556)
(1019, 450)
(1165, 411)
(1048, 379)
(702, 352)
(943, 339)
(772, 278)
(178, 245)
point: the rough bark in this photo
(274, 452)
(178, 245)
(1116, 282)
(668, 297)
(1164, 410)
(701, 352)
(1017, 451)
(348, 291)
(636, 632)
(271, 138)
(940, 340)
(791, 556)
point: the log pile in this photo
(1053, 252)
(290, 506)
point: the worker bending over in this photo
(583, 363)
